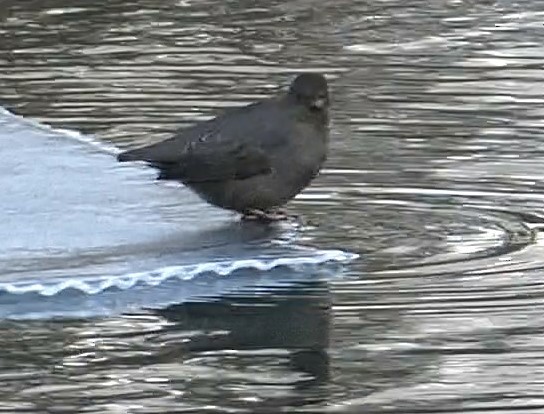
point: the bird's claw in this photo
(265, 215)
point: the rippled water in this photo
(434, 178)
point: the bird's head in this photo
(311, 90)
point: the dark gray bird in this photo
(251, 159)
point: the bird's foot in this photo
(265, 215)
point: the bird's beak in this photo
(320, 103)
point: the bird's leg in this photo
(265, 215)
(250, 215)
(286, 214)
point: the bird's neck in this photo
(319, 116)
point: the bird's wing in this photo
(227, 147)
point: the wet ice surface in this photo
(79, 230)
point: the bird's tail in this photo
(137, 154)
(159, 152)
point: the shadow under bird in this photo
(251, 159)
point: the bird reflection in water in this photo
(286, 328)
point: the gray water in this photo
(434, 180)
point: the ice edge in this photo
(94, 286)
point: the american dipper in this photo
(251, 159)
